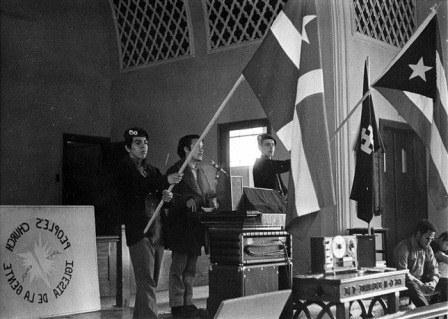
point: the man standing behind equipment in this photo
(185, 234)
(267, 171)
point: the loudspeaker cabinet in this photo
(232, 281)
(366, 251)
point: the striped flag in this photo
(363, 190)
(415, 84)
(285, 74)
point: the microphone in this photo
(218, 168)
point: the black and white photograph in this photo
(223, 159)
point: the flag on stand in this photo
(415, 84)
(286, 76)
(363, 190)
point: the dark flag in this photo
(415, 84)
(286, 76)
(363, 188)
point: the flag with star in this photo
(363, 190)
(286, 76)
(415, 84)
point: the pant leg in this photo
(188, 277)
(158, 259)
(442, 288)
(142, 258)
(176, 283)
(416, 295)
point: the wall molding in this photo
(341, 103)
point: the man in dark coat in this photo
(186, 235)
(139, 188)
(266, 171)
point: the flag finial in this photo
(434, 8)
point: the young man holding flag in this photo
(266, 170)
(286, 76)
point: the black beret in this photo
(135, 132)
(266, 136)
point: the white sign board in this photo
(48, 261)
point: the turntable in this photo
(334, 254)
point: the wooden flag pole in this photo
(350, 114)
(196, 145)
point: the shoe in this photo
(190, 311)
(177, 312)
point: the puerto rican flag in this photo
(416, 86)
(286, 76)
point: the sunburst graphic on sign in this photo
(39, 262)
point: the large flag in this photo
(285, 74)
(363, 190)
(415, 84)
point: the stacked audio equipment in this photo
(250, 252)
(247, 261)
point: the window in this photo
(391, 21)
(151, 32)
(243, 146)
(238, 147)
(234, 22)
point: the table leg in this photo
(287, 311)
(393, 302)
(343, 310)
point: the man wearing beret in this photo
(266, 171)
(140, 186)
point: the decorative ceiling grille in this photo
(233, 22)
(151, 31)
(391, 21)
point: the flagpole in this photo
(369, 229)
(350, 114)
(196, 145)
(380, 138)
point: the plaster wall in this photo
(55, 79)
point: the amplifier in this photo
(233, 281)
(241, 247)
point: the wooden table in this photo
(342, 290)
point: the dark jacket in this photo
(267, 172)
(184, 231)
(135, 192)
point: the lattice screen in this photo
(233, 22)
(391, 21)
(150, 31)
